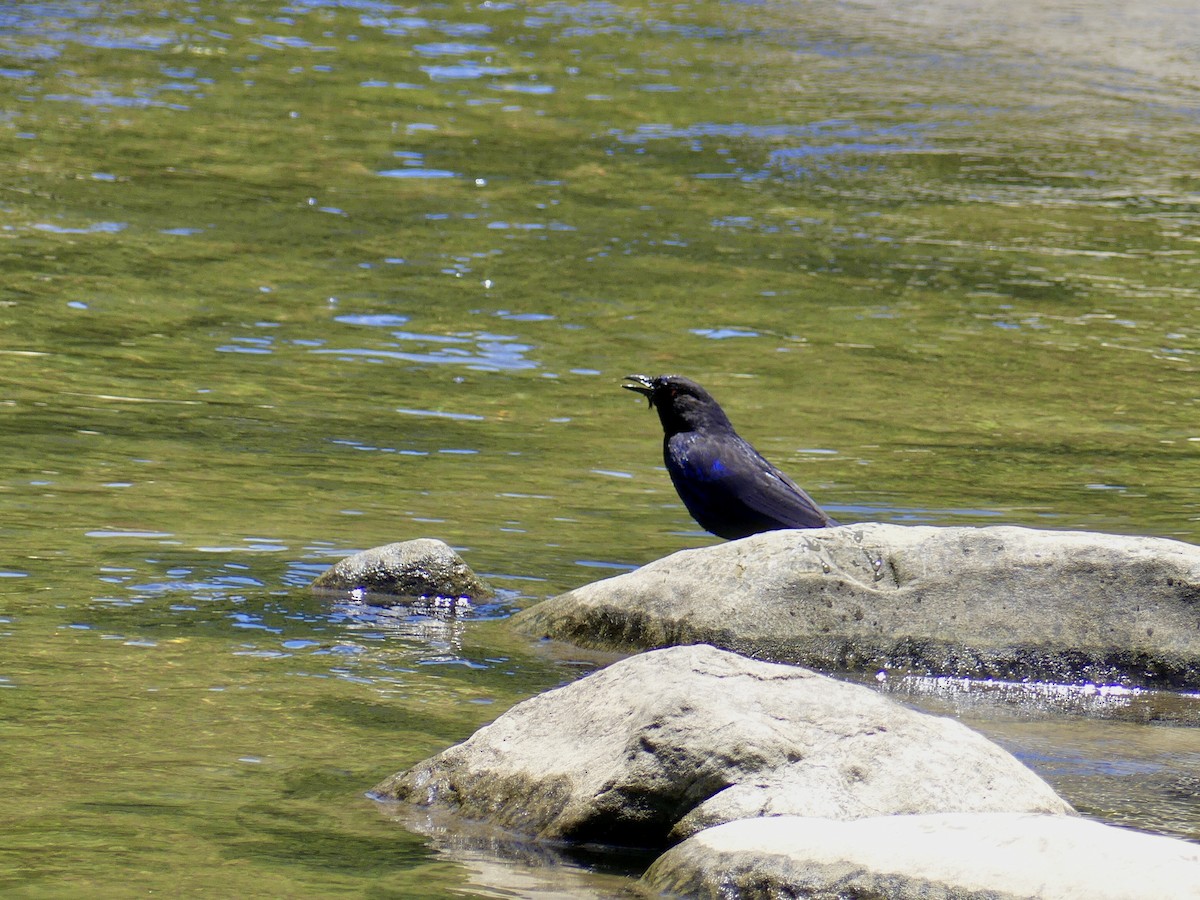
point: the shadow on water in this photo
(501, 864)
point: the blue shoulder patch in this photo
(712, 472)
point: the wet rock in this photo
(999, 602)
(658, 746)
(419, 568)
(967, 856)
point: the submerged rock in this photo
(998, 602)
(965, 856)
(658, 746)
(418, 568)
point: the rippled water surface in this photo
(280, 281)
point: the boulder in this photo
(424, 568)
(999, 602)
(658, 746)
(958, 856)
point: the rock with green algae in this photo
(423, 568)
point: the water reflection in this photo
(450, 48)
(45, 24)
(463, 71)
(721, 334)
(287, 42)
(506, 865)
(96, 228)
(418, 173)
(535, 89)
(374, 320)
(371, 638)
(482, 352)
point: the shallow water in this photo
(285, 280)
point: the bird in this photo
(726, 485)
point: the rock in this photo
(419, 568)
(981, 856)
(658, 746)
(1000, 602)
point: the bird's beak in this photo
(643, 384)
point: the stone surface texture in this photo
(996, 602)
(421, 568)
(657, 746)
(963, 856)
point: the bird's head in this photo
(681, 403)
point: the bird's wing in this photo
(773, 494)
(722, 472)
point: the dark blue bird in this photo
(725, 483)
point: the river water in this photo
(281, 281)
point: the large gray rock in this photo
(1000, 602)
(965, 856)
(423, 568)
(658, 746)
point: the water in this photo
(285, 280)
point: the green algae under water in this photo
(279, 281)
